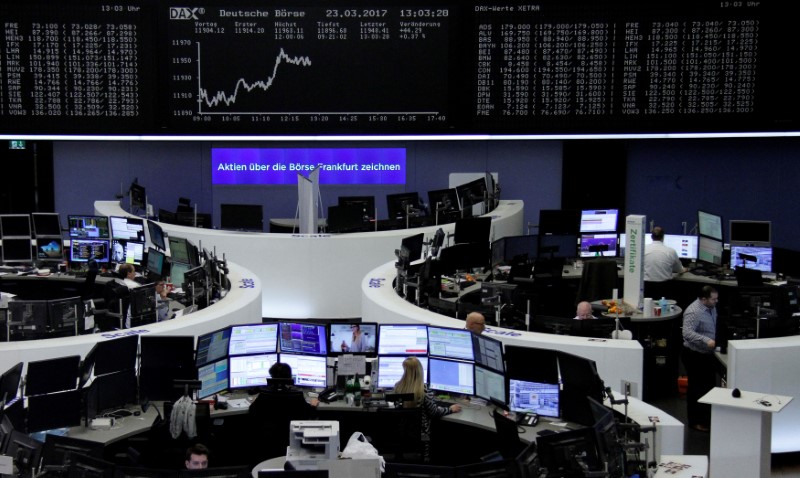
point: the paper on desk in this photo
(352, 364)
(238, 403)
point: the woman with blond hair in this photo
(413, 381)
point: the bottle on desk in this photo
(356, 391)
(664, 306)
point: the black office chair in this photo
(598, 280)
(399, 436)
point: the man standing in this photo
(699, 343)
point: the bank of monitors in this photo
(242, 217)
(88, 227)
(752, 257)
(307, 370)
(353, 338)
(709, 225)
(599, 244)
(17, 250)
(488, 352)
(84, 250)
(754, 233)
(212, 346)
(214, 378)
(303, 338)
(250, 371)
(390, 370)
(533, 397)
(450, 343)
(598, 220)
(402, 204)
(253, 339)
(403, 339)
(452, 376)
(156, 235)
(15, 225)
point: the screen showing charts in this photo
(250, 370)
(213, 378)
(301, 338)
(450, 343)
(127, 228)
(81, 250)
(709, 225)
(253, 339)
(533, 397)
(451, 376)
(488, 352)
(490, 384)
(403, 339)
(212, 346)
(307, 370)
(599, 245)
(685, 246)
(709, 250)
(762, 256)
(390, 369)
(599, 220)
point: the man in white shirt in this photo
(660, 261)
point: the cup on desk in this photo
(657, 311)
(647, 308)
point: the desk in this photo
(316, 275)
(748, 418)
(682, 466)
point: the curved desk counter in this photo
(617, 360)
(316, 275)
(241, 305)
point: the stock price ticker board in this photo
(152, 67)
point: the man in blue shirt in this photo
(699, 343)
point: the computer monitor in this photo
(709, 250)
(450, 343)
(156, 261)
(214, 378)
(144, 305)
(684, 245)
(127, 228)
(138, 195)
(218, 472)
(17, 250)
(140, 472)
(54, 410)
(605, 429)
(514, 250)
(579, 379)
(558, 246)
(403, 339)
(411, 248)
(9, 382)
(303, 338)
(57, 450)
(709, 225)
(242, 217)
(127, 252)
(365, 203)
(519, 360)
(360, 338)
(569, 453)
(181, 250)
(533, 397)
(443, 201)
(83, 250)
(177, 271)
(15, 225)
(390, 370)
(559, 221)
(452, 376)
(25, 452)
(52, 375)
(490, 385)
(88, 227)
(163, 359)
(156, 235)
(600, 244)
(752, 257)
(249, 371)
(400, 204)
(472, 192)
(109, 392)
(114, 355)
(599, 220)
(31, 315)
(46, 224)
(488, 352)
(344, 219)
(756, 233)
(309, 371)
(213, 346)
(49, 249)
(253, 339)
(473, 230)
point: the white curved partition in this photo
(770, 367)
(242, 305)
(316, 275)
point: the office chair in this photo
(598, 280)
(399, 437)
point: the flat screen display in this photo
(127, 228)
(488, 352)
(247, 371)
(49, 249)
(212, 346)
(88, 227)
(307, 370)
(303, 338)
(156, 235)
(352, 338)
(451, 376)
(81, 250)
(15, 225)
(179, 250)
(403, 339)
(490, 384)
(761, 254)
(214, 378)
(599, 220)
(750, 232)
(17, 250)
(533, 397)
(450, 343)
(558, 246)
(253, 339)
(155, 262)
(176, 272)
(559, 221)
(46, 224)
(597, 245)
(390, 370)
(242, 217)
(127, 252)
(709, 225)
(684, 245)
(709, 250)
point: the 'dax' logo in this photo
(184, 13)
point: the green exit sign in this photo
(17, 144)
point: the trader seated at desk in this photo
(584, 311)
